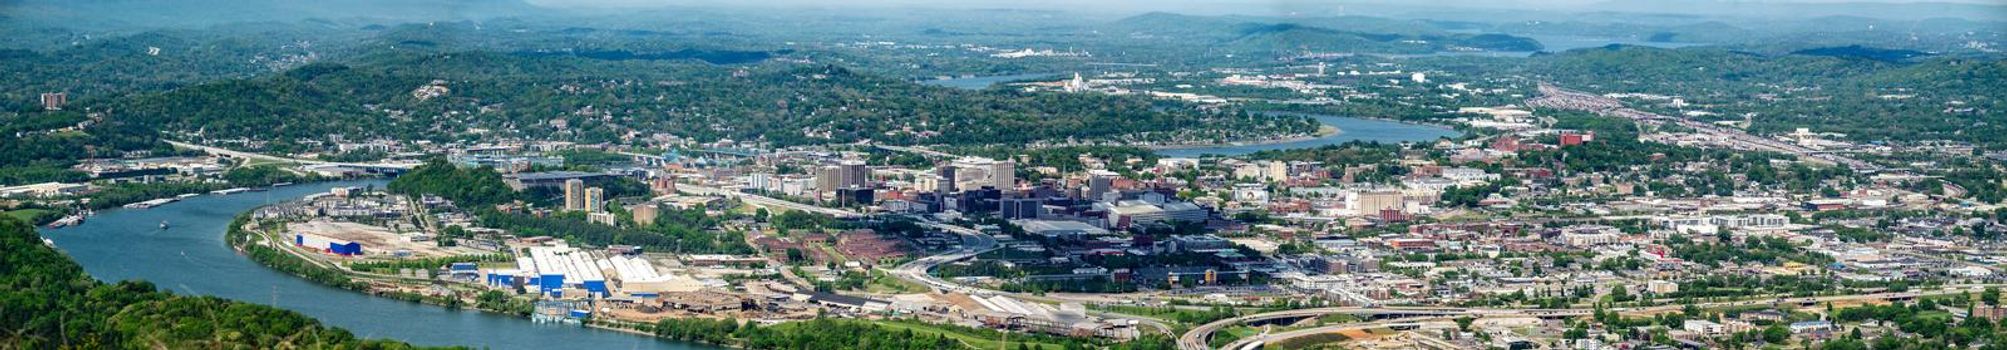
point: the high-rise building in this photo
(1099, 182)
(854, 174)
(54, 100)
(828, 178)
(574, 194)
(1003, 175)
(946, 172)
(595, 199)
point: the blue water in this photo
(979, 83)
(1349, 129)
(190, 258)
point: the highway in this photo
(271, 158)
(917, 150)
(1198, 337)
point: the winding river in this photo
(190, 258)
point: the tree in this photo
(1776, 334)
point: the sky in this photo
(1060, 4)
(1752, 8)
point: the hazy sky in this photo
(1169, 4)
(1752, 8)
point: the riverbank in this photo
(268, 255)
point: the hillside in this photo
(593, 100)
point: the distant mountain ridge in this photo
(1347, 34)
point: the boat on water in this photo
(186, 196)
(163, 224)
(47, 242)
(151, 203)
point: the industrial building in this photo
(328, 245)
(553, 270)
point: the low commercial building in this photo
(1069, 230)
(1130, 213)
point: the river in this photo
(190, 258)
(983, 82)
(1349, 129)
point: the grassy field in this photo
(29, 215)
(1230, 334)
(884, 283)
(1314, 340)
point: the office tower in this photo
(855, 174)
(1003, 175)
(1099, 182)
(946, 172)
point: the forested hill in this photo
(47, 302)
(591, 100)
